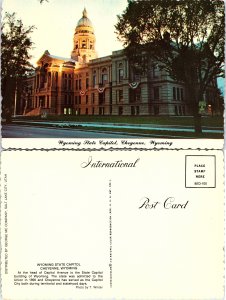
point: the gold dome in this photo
(84, 40)
(84, 21)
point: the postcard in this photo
(112, 167)
(121, 225)
(99, 70)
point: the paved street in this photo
(21, 131)
(67, 129)
(98, 125)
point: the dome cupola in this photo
(84, 21)
(84, 40)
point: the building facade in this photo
(87, 85)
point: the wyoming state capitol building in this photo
(87, 85)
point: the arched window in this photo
(83, 44)
(155, 70)
(104, 76)
(120, 72)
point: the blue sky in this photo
(220, 82)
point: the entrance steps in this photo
(34, 112)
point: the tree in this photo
(16, 44)
(185, 37)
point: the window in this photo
(174, 93)
(65, 83)
(87, 83)
(101, 98)
(76, 84)
(65, 99)
(49, 79)
(93, 98)
(178, 94)
(83, 44)
(120, 110)
(87, 111)
(79, 100)
(87, 99)
(48, 103)
(37, 85)
(156, 93)
(120, 95)
(80, 84)
(135, 110)
(104, 78)
(182, 95)
(101, 110)
(120, 75)
(69, 85)
(94, 80)
(155, 71)
(137, 95)
(76, 99)
(136, 77)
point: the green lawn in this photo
(206, 121)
